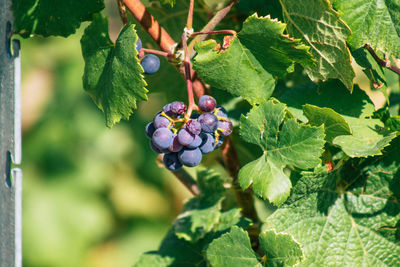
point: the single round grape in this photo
(160, 121)
(194, 127)
(162, 138)
(154, 148)
(196, 142)
(175, 146)
(209, 122)
(184, 137)
(190, 157)
(150, 64)
(150, 129)
(171, 161)
(207, 103)
(167, 109)
(208, 144)
(138, 44)
(226, 127)
(178, 108)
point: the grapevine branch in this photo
(167, 44)
(384, 63)
(211, 25)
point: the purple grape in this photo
(209, 122)
(190, 157)
(178, 108)
(167, 109)
(175, 146)
(207, 144)
(138, 44)
(196, 142)
(194, 127)
(155, 149)
(160, 121)
(162, 138)
(220, 113)
(184, 137)
(171, 161)
(207, 103)
(226, 127)
(150, 64)
(150, 129)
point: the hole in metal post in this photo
(7, 174)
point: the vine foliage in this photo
(308, 142)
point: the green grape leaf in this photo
(113, 75)
(153, 260)
(373, 70)
(244, 68)
(320, 27)
(235, 70)
(348, 216)
(202, 214)
(368, 137)
(46, 17)
(275, 51)
(283, 143)
(280, 249)
(334, 123)
(232, 249)
(372, 22)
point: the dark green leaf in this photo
(280, 249)
(334, 124)
(283, 143)
(373, 22)
(320, 27)
(343, 216)
(113, 75)
(232, 249)
(47, 17)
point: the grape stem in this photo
(185, 178)
(232, 32)
(384, 63)
(188, 71)
(220, 15)
(156, 52)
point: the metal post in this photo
(10, 142)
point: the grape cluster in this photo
(150, 63)
(182, 140)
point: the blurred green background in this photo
(92, 196)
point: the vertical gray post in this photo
(10, 142)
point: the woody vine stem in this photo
(197, 88)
